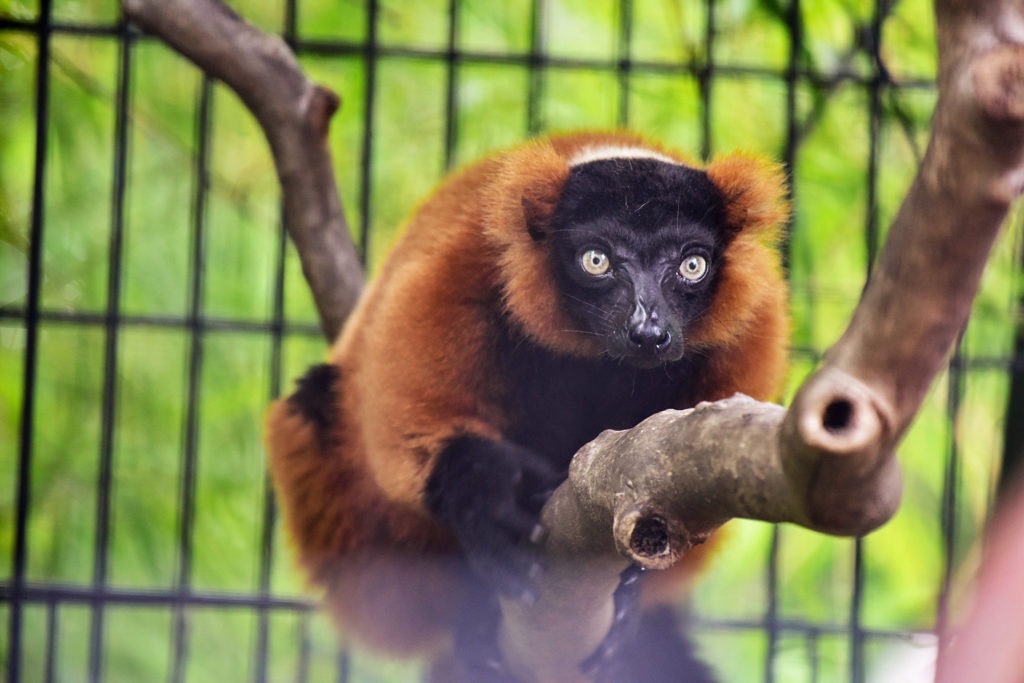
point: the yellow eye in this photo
(693, 268)
(595, 262)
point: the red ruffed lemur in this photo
(546, 293)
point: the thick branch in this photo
(294, 115)
(645, 495)
(919, 296)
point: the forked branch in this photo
(294, 114)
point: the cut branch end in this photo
(650, 538)
(839, 415)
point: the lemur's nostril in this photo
(650, 337)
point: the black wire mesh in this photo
(205, 325)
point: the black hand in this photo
(490, 493)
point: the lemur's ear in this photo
(537, 212)
(754, 190)
(524, 192)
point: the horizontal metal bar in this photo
(184, 322)
(110, 30)
(321, 47)
(808, 628)
(1007, 363)
(50, 593)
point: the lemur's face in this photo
(638, 243)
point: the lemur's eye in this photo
(595, 262)
(693, 268)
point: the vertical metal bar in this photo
(950, 489)
(705, 77)
(875, 85)
(269, 509)
(1012, 468)
(813, 640)
(371, 53)
(269, 512)
(111, 344)
(874, 123)
(186, 495)
(50, 672)
(23, 477)
(625, 64)
(771, 617)
(856, 630)
(344, 667)
(291, 21)
(794, 24)
(535, 88)
(302, 675)
(451, 131)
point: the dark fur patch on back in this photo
(315, 396)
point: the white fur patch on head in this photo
(599, 152)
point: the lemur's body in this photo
(540, 296)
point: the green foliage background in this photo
(903, 564)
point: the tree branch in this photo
(294, 115)
(919, 297)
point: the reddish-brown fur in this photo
(415, 371)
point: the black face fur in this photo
(638, 244)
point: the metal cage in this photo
(114, 544)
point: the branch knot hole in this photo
(650, 537)
(838, 416)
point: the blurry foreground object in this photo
(988, 645)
